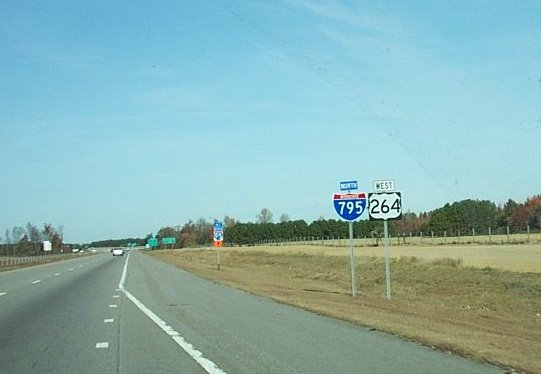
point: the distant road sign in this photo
(218, 230)
(349, 186)
(349, 206)
(152, 242)
(171, 240)
(384, 186)
(385, 205)
(218, 235)
(218, 225)
(47, 246)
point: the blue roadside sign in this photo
(349, 186)
(350, 206)
(218, 225)
(218, 233)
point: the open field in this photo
(451, 298)
(519, 258)
(434, 240)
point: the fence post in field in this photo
(528, 230)
(473, 235)
(489, 235)
(507, 234)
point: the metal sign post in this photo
(349, 207)
(387, 264)
(352, 261)
(385, 205)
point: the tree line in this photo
(22, 241)
(452, 219)
(112, 243)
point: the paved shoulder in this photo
(243, 333)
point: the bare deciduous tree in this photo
(229, 221)
(284, 218)
(265, 216)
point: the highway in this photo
(135, 314)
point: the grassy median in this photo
(484, 313)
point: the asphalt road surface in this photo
(135, 314)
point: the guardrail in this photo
(16, 261)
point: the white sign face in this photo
(384, 186)
(47, 247)
(385, 205)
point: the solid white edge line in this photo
(209, 366)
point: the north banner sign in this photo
(349, 186)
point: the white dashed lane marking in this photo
(3, 293)
(108, 320)
(102, 345)
(57, 274)
(113, 306)
(36, 281)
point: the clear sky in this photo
(120, 117)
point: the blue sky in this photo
(118, 118)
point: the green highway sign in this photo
(169, 240)
(152, 242)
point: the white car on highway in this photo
(118, 252)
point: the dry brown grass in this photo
(513, 257)
(481, 312)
